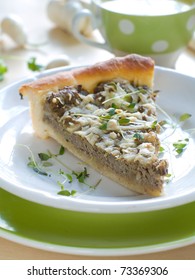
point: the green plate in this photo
(65, 231)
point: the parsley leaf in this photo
(132, 105)
(103, 126)
(154, 124)
(3, 69)
(61, 151)
(184, 117)
(70, 179)
(161, 150)
(123, 121)
(112, 112)
(67, 192)
(35, 167)
(44, 157)
(33, 66)
(41, 169)
(66, 175)
(81, 176)
(138, 136)
(114, 106)
(180, 146)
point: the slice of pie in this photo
(105, 115)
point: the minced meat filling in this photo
(117, 118)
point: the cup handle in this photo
(78, 17)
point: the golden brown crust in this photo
(134, 68)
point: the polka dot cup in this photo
(161, 34)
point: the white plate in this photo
(176, 97)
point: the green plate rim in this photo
(94, 234)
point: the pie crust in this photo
(105, 115)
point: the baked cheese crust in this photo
(104, 114)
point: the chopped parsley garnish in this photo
(180, 145)
(112, 112)
(132, 105)
(81, 176)
(33, 65)
(35, 167)
(44, 157)
(66, 175)
(103, 126)
(154, 124)
(105, 117)
(161, 150)
(138, 136)
(66, 192)
(114, 106)
(123, 121)
(41, 169)
(184, 117)
(3, 69)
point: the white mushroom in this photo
(62, 13)
(58, 61)
(13, 26)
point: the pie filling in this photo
(116, 124)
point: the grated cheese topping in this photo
(117, 117)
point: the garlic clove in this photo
(58, 61)
(13, 26)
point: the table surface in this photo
(55, 41)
